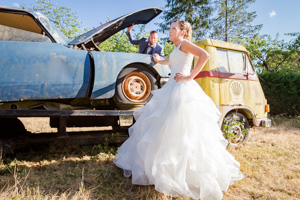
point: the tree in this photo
(294, 47)
(119, 42)
(196, 12)
(270, 54)
(168, 48)
(61, 16)
(295, 43)
(232, 21)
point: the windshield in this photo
(56, 34)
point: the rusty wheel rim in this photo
(136, 87)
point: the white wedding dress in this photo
(176, 143)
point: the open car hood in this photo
(97, 35)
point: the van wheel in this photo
(134, 85)
(236, 128)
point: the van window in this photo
(223, 60)
(230, 61)
(236, 62)
(249, 66)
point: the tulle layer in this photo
(177, 145)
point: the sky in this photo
(277, 16)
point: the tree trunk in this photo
(265, 64)
(226, 21)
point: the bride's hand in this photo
(181, 77)
(156, 57)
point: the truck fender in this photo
(246, 111)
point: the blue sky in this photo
(277, 16)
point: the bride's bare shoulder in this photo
(189, 47)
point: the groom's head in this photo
(153, 37)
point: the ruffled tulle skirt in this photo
(176, 145)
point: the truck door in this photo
(232, 77)
(254, 97)
(42, 70)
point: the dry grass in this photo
(269, 160)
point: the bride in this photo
(176, 144)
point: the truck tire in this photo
(236, 128)
(134, 85)
(11, 127)
(1, 151)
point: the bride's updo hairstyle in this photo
(187, 28)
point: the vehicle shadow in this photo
(77, 172)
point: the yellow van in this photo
(230, 80)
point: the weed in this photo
(235, 128)
(269, 161)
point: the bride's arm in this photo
(157, 59)
(189, 47)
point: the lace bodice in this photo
(180, 61)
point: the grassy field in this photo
(270, 161)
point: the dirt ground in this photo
(41, 124)
(269, 162)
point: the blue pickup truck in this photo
(41, 68)
(74, 83)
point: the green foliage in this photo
(279, 64)
(232, 128)
(120, 43)
(282, 90)
(295, 43)
(196, 12)
(294, 48)
(229, 21)
(269, 54)
(168, 48)
(233, 22)
(61, 16)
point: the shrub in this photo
(282, 90)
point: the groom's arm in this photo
(136, 42)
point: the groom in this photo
(147, 45)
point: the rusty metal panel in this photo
(63, 113)
(101, 33)
(39, 71)
(108, 66)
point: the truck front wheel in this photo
(134, 85)
(236, 128)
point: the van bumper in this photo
(249, 114)
(264, 122)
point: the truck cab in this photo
(230, 80)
